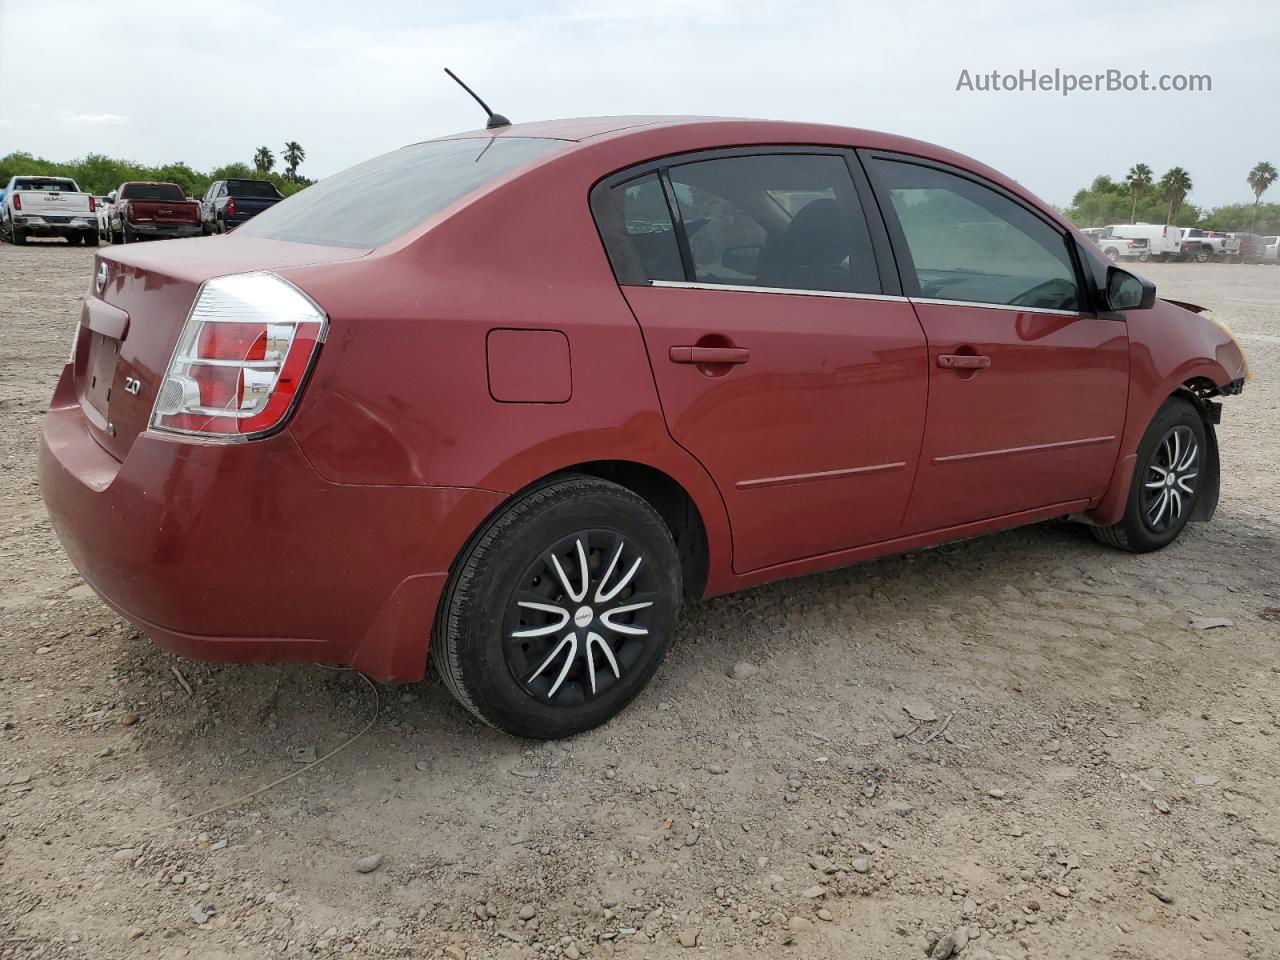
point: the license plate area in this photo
(101, 373)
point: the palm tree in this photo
(1174, 187)
(293, 155)
(264, 159)
(1260, 177)
(1137, 180)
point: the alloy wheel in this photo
(1169, 491)
(580, 617)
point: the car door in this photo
(1027, 386)
(785, 359)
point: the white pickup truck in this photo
(1205, 245)
(48, 207)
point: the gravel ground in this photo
(1088, 774)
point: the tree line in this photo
(99, 174)
(1140, 198)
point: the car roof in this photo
(657, 136)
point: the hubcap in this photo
(1170, 485)
(580, 617)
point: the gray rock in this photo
(303, 754)
(799, 924)
(919, 710)
(1211, 623)
(944, 948)
(861, 865)
(527, 912)
(1161, 804)
(129, 853)
(1161, 894)
(743, 670)
(370, 863)
(961, 938)
(814, 892)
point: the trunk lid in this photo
(251, 206)
(137, 305)
(163, 211)
(53, 203)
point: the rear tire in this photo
(1158, 508)
(1204, 255)
(73, 239)
(538, 643)
(17, 236)
(91, 239)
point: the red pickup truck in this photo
(141, 210)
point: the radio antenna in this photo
(495, 119)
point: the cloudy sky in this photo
(206, 83)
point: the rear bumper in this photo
(166, 230)
(242, 552)
(36, 225)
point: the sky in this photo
(206, 83)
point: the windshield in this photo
(260, 189)
(378, 200)
(151, 191)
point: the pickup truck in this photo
(145, 210)
(1205, 245)
(48, 207)
(229, 203)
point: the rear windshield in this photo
(47, 186)
(260, 189)
(152, 191)
(378, 200)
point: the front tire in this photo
(560, 610)
(1170, 474)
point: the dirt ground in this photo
(1098, 779)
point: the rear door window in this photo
(380, 199)
(785, 221)
(970, 243)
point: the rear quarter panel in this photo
(400, 394)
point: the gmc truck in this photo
(148, 211)
(47, 207)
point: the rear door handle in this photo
(963, 361)
(710, 354)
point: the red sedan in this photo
(519, 392)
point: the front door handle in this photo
(710, 355)
(962, 361)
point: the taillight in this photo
(17, 202)
(231, 206)
(93, 203)
(242, 358)
(128, 211)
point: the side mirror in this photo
(111, 197)
(1128, 291)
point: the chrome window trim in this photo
(742, 288)
(1000, 306)
(841, 295)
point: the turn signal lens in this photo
(238, 369)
